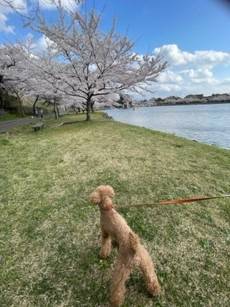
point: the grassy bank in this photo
(49, 233)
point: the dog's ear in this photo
(95, 197)
(111, 191)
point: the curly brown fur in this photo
(131, 252)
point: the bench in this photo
(38, 126)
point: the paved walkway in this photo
(9, 124)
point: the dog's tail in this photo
(133, 241)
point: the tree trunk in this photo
(55, 110)
(1, 99)
(92, 106)
(20, 107)
(58, 112)
(88, 103)
(34, 105)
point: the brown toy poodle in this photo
(131, 253)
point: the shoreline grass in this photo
(49, 233)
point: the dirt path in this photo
(9, 124)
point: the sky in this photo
(193, 36)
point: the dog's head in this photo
(102, 196)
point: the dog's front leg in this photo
(106, 244)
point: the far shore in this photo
(179, 104)
(187, 100)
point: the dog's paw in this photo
(154, 288)
(103, 255)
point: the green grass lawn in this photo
(49, 233)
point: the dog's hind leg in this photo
(121, 273)
(147, 267)
(106, 244)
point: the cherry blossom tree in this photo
(96, 63)
(13, 73)
(85, 63)
(22, 76)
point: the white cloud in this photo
(43, 43)
(21, 6)
(176, 56)
(40, 46)
(169, 87)
(192, 72)
(51, 4)
(5, 10)
(4, 27)
(169, 76)
(198, 73)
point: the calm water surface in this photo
(205, 123)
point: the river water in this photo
(205, 123)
